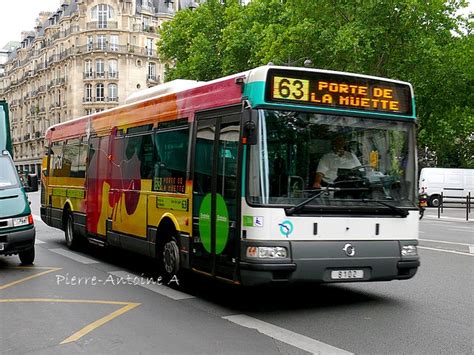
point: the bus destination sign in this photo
(338, 91)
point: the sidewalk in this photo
(449, 214)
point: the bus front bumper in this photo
(328, 262)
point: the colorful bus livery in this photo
(217, 178)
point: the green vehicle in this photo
(17, 230)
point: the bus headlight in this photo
(409, 250)
(266, 252)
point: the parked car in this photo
(17, 230)
(450, 182)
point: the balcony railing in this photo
(100, 75)
(88, 48)
(109, 47)
(90, 99)
(102, 24)
(151, 77)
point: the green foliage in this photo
(423, 42)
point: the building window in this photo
(113, 69)
(151, 71)
(149, 46)
(114, 40)
(113, 90)
(90, 43)
(88, 93)
(102, 13)
(99, 92)
(88, 69)
(88, 111)
(101, 42)
(100, 68)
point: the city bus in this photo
(217, 177)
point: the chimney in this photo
(43, 16)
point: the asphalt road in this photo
(104, 301)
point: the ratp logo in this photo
(286, 228)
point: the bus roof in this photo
(181, 98)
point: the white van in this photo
(450, 182)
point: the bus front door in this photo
(216, 196)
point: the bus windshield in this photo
(330, 161)
(8, 177)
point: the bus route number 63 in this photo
(290, 89)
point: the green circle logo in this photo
(222, 223)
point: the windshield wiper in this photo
(401, 212)
(296, 208)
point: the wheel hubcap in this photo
(170, 257)
(69, 230)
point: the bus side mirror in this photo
(250, 132)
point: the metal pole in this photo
(442, 202)
(467, 207)
(439, 207)
(470, 201)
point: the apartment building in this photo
(86, 57)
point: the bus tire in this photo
(72, 240)
(27, 257)
(434, 200)
(169, 260)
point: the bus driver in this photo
(339, 158)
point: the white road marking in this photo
(468, 227)
(150, 285)
(74, 256)
(284, 335)
(448, 218)
(471, 249)
(445, 242)
(447, 251)
(37, 241)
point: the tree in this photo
(423, 42)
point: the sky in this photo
(20, 15)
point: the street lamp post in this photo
(307, 62)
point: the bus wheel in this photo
(170, 259)
(72, 241)
(27, 257)
(435, 200)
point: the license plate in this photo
(347, 274)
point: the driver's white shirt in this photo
(330, 162)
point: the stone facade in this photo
(86, 57)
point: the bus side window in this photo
(146, 157)
(56, 159)
(171, 155)
(81, 167)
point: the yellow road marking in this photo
(2, 287)
(89, 328)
